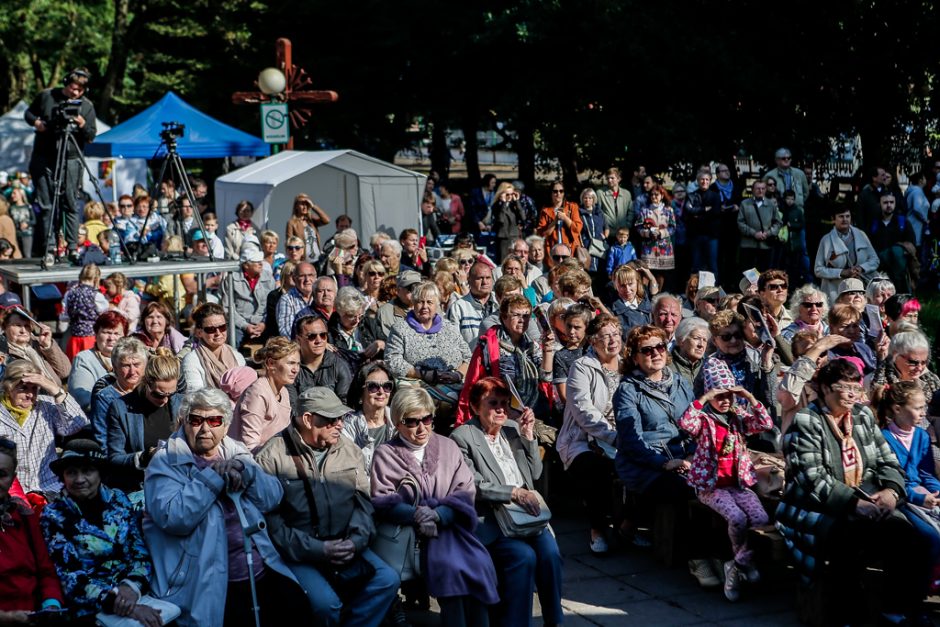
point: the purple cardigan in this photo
(456, 563)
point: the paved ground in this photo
(629, 587)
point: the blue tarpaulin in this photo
(203, 138)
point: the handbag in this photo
(515, 522)
(597, 248)
(770, 471)
(397, 545)
(168, 613)
(583, 256)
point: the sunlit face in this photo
(536, 254)
(141, 206)
(213, 331)
(211, 225)
(129, 371)
(694, 344)
(912, 316)
(880, 296)
(704, 181)
(294, 251)
(811, 308)
(305, 275)
(607, 343)
(493, 410)
(105, 339)
(155, 324)
(324, 294)
(160, 392)
(512, 268)
(516, 321)
(283, 371)
(81, 482)
(204, 440)
(856, 299)
(269, 246)
(575, 329)
(313, 338)
(912, 364)
(481, 281)
(842, 396)
(913, 412)
(17, 330)
(850, 329)
(378, 390)
(613, 181)
(372, 278)
(410, 243)
(774, 292)
(425, 309)
(729, 339)
(23, 395)
(253, 268)
(626, 289)
(667, 316)
(588, 201)
(412, 429)
(390, 257)
(521, 249)
(323, 432)
(650, 356)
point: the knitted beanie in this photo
(717, 375)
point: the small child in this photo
(621, 253)
(121, 298)
(721, 471)
(94, 212)
(798, 257)
(577, 317)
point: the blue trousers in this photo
(522, 566)
(704, 253)
(367, 609)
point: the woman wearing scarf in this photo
(420, 480)
(809, 307)
(93, 363)
(506, 352)
(242, 231)
(157, 328)
(425, 347)
(212, 356)
(844, 485)
(40, 351)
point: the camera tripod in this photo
(174, 163)
(65, 141)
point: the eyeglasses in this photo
(786, 158)
(412, 423)
(195, 420)
(606, 337)
(222, 328)
(914, 363)
(728, 337)
(125, 205)
(520, 252)
(373, 386)
(375, 273)
(518, 315)
(851, 388)
(161, 395)
(776, 287)
(560, 257)
(809, 305)
(649, 350)
(330, 420)
(295, 248)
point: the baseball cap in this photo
(408, 278)
(322, 402)
(198, 235)
(851, 285)
(251, 255)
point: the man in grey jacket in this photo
(250, 291)
(324, 522)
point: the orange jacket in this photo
(547, 228)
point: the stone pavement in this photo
(629, 587)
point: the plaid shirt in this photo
(290, 304)
(35, 440)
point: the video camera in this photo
(64, 114)
(172, 131)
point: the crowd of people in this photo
(379, 425)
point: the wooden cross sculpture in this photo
(297, 94)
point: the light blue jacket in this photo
(185, 528)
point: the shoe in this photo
(718, 567)
(749, 573)
(74, 258)
(395, 616)
(48, 261)
(599, 545)
(702, 570)
(732, 581)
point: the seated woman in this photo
(798, 384)
(157, 328)
(504, 457)
(652, 454)
(809, 306)
(586, 441)
(692, 337)
(130, 360)
(42, 351)
(34, 410)
(371, 425)
(420, 480)
(140, 421)
(902, 307)
(908, 360)
(28, 580)
(95, 541)
(93, 363)
(354, 333)
(212, 356)
(845, 320)
(513, 265)
(902, 407)
(843, 486)
(192, 525)
(264, 407)
(506, 352)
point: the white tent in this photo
(16, 147)
(375, 194)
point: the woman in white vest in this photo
(844, 253)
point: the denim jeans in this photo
(522, 565)
(704, 254)
(367, 609)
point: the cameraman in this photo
(45, 114)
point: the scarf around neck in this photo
(436, 324)
(213, 366)
(906, 438)
(851, 455)
(19, 414)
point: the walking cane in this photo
(247, 532)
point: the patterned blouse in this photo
(656, 226)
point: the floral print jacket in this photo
(92, 560)
(700, 424)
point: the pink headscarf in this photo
(236, 380)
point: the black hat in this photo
(80, 453)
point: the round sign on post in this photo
(275, 123)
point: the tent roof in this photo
(204, 137)
(290, 163)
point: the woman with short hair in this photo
(158, 327)
(93, 363)
(371, 393)
(353, 332)
(692, 336)
(42, 351)
(809, 307)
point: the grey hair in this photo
(684, 329)
(409, 401)
(129, 347)
(808, 290)
(558, 307)
(665, 296)
(535, 241)
(426, 289)
(349, 300)
(207, 398)
(346, 238)
(908, 341)
(394, 245)
(323, 279)
(879, 284)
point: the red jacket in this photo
(27, 575)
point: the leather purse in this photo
(515, 522)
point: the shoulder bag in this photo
(515, 522)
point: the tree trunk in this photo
(471, 148)
(525, 153)
(117, 61)
(440, 152)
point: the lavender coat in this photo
(455, 562)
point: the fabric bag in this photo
(583, 256)
(515, 522)
(168, 613)
(397, 545)
(770, 471)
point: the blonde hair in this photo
(446, 264)
(162, 366)
(277, 347)
(94, 211)
(267, 236)
(409, 401)
(90, 274)
(117, 280)
(624, 273)
(14, 373)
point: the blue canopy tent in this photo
(204, 137)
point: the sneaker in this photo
(599, 545)
(641, 541)
(718, 567)
(48, 261)
(732, 581)
(702, 570)
(749, 573)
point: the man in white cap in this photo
(250, 289)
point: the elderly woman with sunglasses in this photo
(212, 356)
(809, 306)
(139, 422)
(192, 524)
(843, 488)
(34, 411)
(371, 425)
(421, 481)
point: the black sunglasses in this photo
(294, 247)
(373, 386)
(727, 337)
(210, 330)
(560, 257)
(411, 423)
(161, 395)
(322, 335)
(649, 350)
(816, 304)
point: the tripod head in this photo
(171, 132)
(64, 114)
